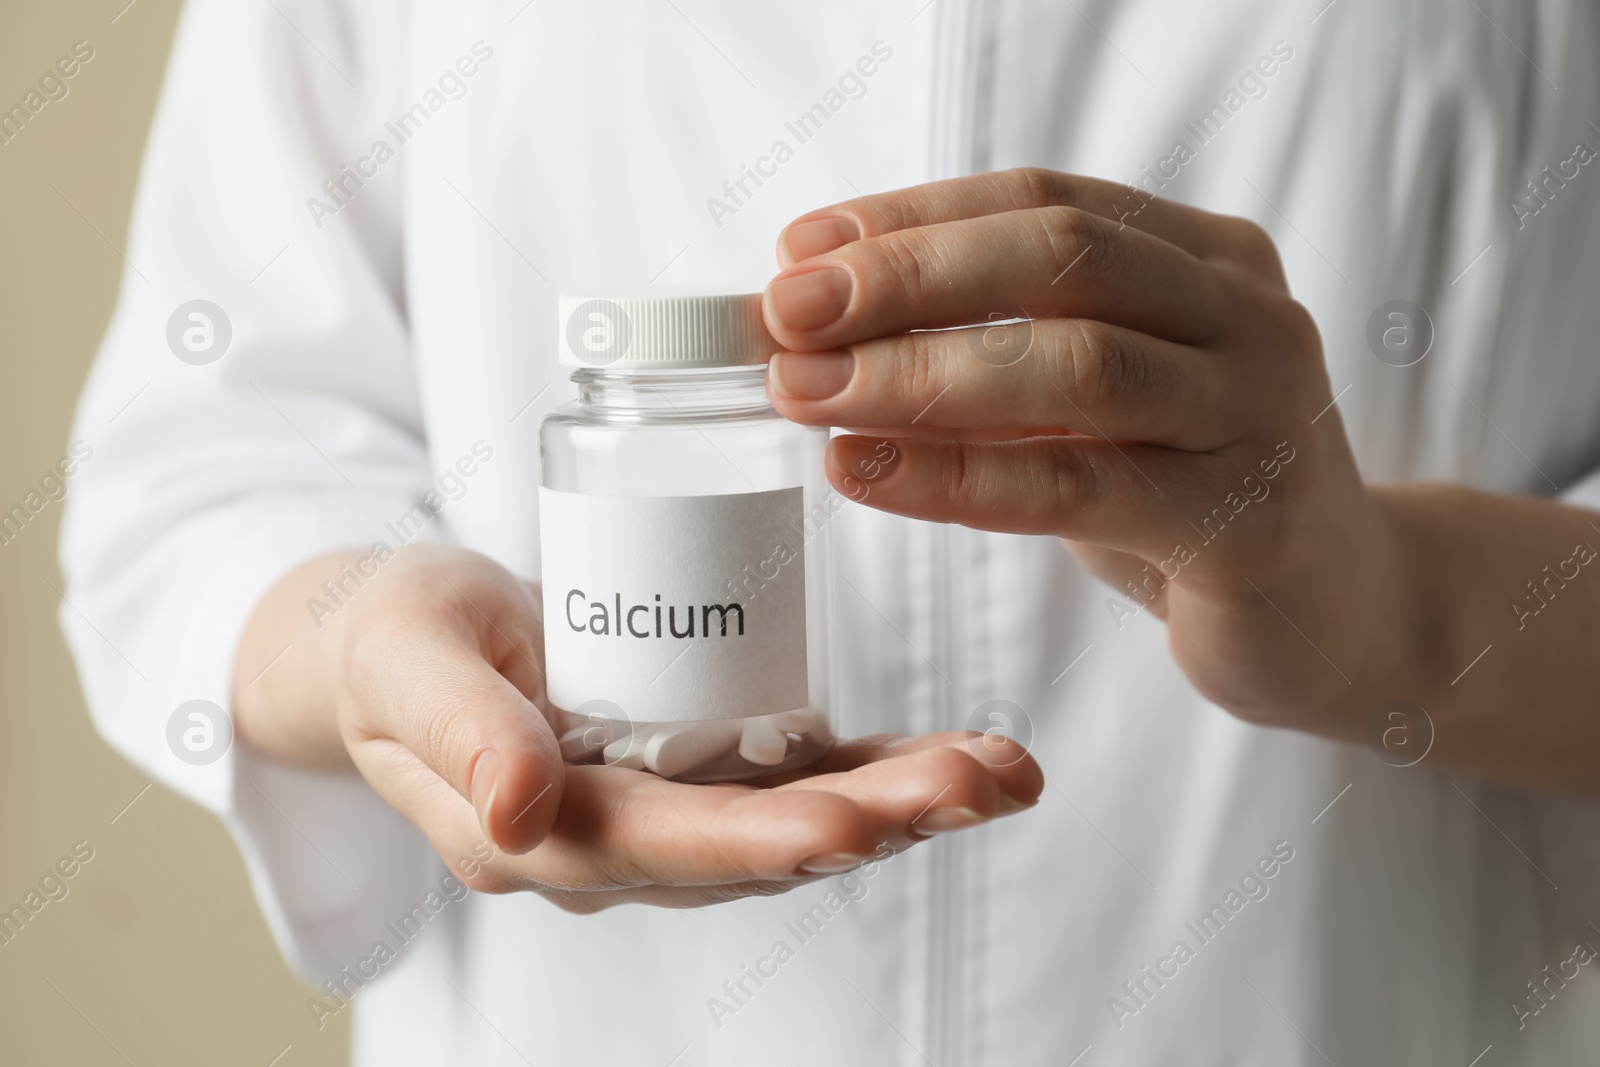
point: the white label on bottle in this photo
(675, 608)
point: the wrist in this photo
(289, 663)
(1335, 627)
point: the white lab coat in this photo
(376, 340)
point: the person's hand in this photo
(438, 664)
(1164, 408)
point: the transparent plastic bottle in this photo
(685, 544)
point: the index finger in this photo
(1200, 233)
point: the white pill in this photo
(821, 729)
(798, 721)
(763, 742)
(674, 749)
(626, 752)
(811, 721)
(584, 740)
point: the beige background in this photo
(157, 955)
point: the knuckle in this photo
(1070, 233)
(906, 265)
(439, 738)
(913, 374)
(886, 213)
(1300, 325)
(1103, 371)
(1074, 483)
(1252, 236)
(514, 640)
(1256, 246)
(1036, 186)
(962, 477)
(1288, 341)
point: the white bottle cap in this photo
(663, 327)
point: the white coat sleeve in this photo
(207, 479)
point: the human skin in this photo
(1163, 366)
(430, 682)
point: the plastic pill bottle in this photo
(684, 532)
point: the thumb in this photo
(514, 771)
(455, 690)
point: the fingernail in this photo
(811, 375)
(806, 239)
(811, 300)
(1011, 805)
(832, 863)
(856, 459)
(485, 783)
(944, 820)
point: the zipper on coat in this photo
(958, 145)
(947, 896)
